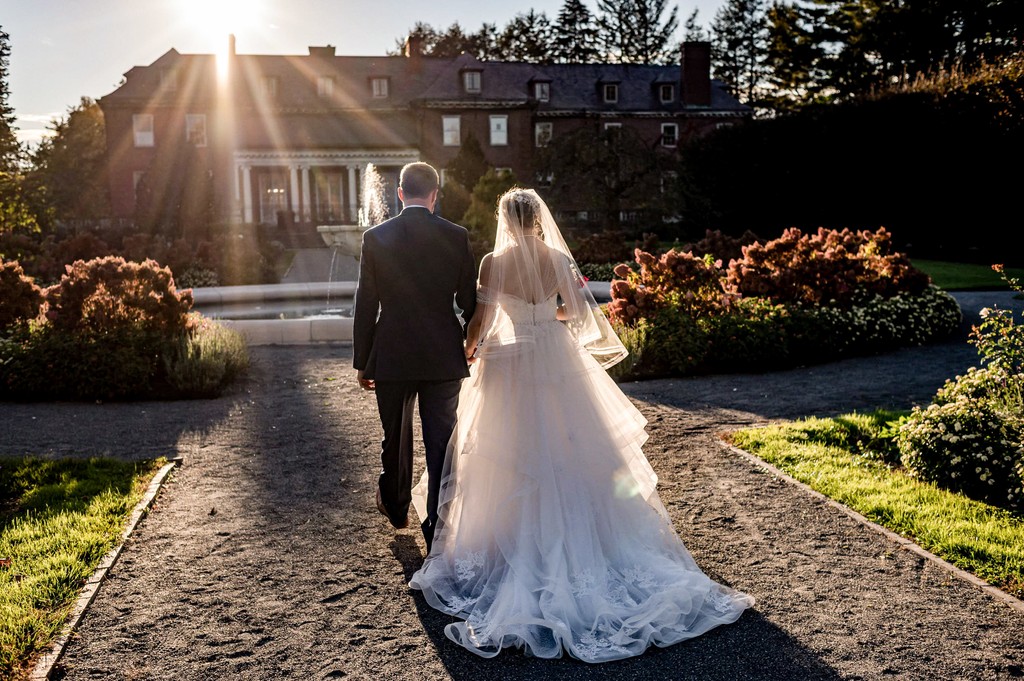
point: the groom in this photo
(407, 338)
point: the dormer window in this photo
(542, 91)
(325, 87)
(379, 87)
(471, 81)
(667, 93)
(610, 92)
(268, 86)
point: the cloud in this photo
(32, 137)
(36, 118)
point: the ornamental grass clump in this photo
(971, 438)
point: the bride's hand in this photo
(471, 354)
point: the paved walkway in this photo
(264, 558)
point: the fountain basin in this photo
(348, 239)
(295, 314)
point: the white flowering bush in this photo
(971, 438)
(966, 445)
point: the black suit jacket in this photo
(412, 268)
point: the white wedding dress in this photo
(551, 535)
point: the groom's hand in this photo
(365, 383)
(471, 354)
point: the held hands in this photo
(367, 384)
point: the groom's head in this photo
(417, 185)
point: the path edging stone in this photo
(990, 589)
(47, 661)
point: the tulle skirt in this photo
(551, 535)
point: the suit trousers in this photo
(438, 402)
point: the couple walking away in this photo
(543, 526)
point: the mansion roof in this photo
(417, 81)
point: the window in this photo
(545, 179)
(380, 87)
(542, 133)
(195, 129)
(168, 80)
(268, 86)
(669, 178)
(666, 93)
(444, 177)
(451, 129)
(542, 91)
(471, 81)
(142, 126)
(499, 131)
(325, 87)
(669, 134)
(611, 93)
(612, 126)
(503, 170)
(582, 215)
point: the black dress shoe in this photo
(398, 525)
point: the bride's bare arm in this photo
(483, 315)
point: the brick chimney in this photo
(325, 52)
(414, 46)
(696, 73)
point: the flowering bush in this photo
(966, 445)
(20, 298)
(834, 268)
(971, 438)
(109, 295)
(673, 281)
(721, 246)
(118, 330)
(698, 321)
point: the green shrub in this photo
(20, 298)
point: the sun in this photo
(215, 19)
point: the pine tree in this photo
(527, 38)
(637, 31)
(575, 35)
(10, 148)
(692, 30)
(739, 47)
(794, 57)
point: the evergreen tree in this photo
(575, 35)
(693, 31)
(527, 38)
(637, 31)
(461, 175)
(480, 217)
(739, 48)
(794, 57)
(68, 178)
(10, 148)
(15, 214)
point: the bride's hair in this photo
(521, 209)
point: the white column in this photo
(293, 201)
(307, 209)
(353, 196)
(246, 194)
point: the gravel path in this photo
(265, 558)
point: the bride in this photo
(550, 534)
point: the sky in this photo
(62, 50)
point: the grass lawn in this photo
(57, 520)
(829, 456)
(955, 276)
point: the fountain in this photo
(347, 239)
